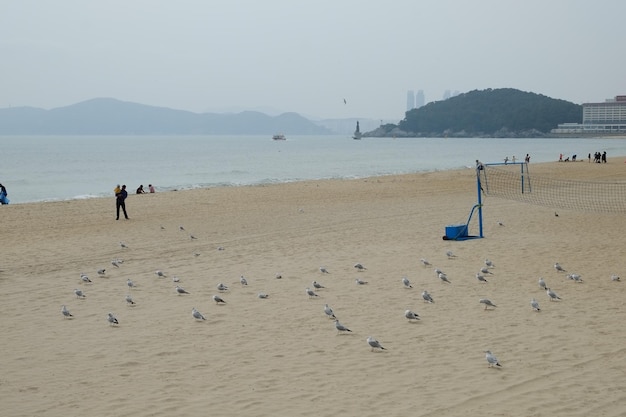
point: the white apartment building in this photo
(602, 118)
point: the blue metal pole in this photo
(479, 203)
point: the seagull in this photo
(85, 278)
(196, 314)
(575, 277)
(112, 319)
(115, 263)
(278, 276)
(324, 270)
(317, 285)
(243, 280)
(411, 315)
(489, 264)
(129, 300)
(374, 344)
(360, 267)
(262, 295)
(101, 272)
(444, 278)
(427, 297)
(360, 282)
(556, 214)
(221, 287)
(340, 327)
(221, 248)
(181, 228)
(438, 271)
(311, 293)
(181, 290)
(406, 282)
(218, 299)
(329, 312)
(500, 224)
(491, 359)
(123, 245)
(79, 293)
(425, 262)
(481, 278)
(542, 283)
(552, 294)
(487, 302)
(615, 277)
(535, 305)
(175, 279)
(192, 237)
(559, 268)
(66, 312)
(130, 283)
(485, 270)
(160, 274)
(450, 254)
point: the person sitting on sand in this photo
(151, 188)
(140, 190)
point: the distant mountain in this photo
(504, 112)
(107, 116)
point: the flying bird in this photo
(491, 359)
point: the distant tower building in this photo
(410, 100)
(446, 94)
(420, 100)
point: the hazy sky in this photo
(306, 56)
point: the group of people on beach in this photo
(120, 197)
(598, 157)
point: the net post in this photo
(479, 202)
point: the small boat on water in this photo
(279, 136)
(357, 133)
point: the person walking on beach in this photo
(121, 201)
(3, 195)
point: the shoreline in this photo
(282, 355)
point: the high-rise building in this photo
(420, 100)
(608, 117)
(410, 100)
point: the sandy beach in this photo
(282, 355)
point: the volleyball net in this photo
(513, 182)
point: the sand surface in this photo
(282, 356)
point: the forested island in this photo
(504, 112)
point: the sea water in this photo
(50, 168)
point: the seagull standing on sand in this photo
(85, 278)
(112, 319)
(129, 300)
(160, 274)
(542, 284)
(360, 282)
(329, 312)
(79, 293)
(480, 278)
(101, 272)
(340, 327)
(489, 264)
(425, 262)
(575, 277)
(374, 344)
(262, 295)
(552, 294)
(123, 245)
(444, 278)
(487, 302)
(311, 293)
(427, 297)
(360, 267)
(406, 282)
(559, 268)
(196, 314)
(485, 270)
(218, 299)
(410, 315)
(66, 313)
(317, 285)
(450, 254)
(491, 359)
(180, 290)
(535, 305)
(115, 263)
(323, 270)
(243, 280)
(615, 277)
(221, 287)
(130, 283)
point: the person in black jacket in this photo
(120, 200)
